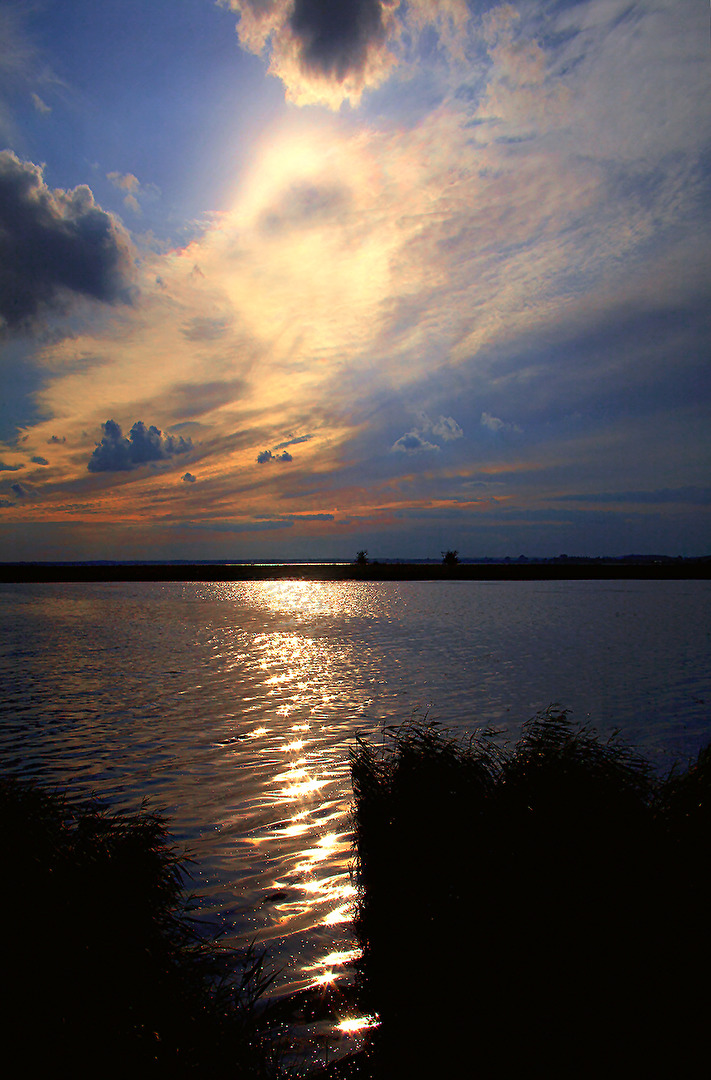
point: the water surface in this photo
(232, 706)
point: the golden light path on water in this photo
(301, 756)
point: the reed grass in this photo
(536, 908)
(105, 969)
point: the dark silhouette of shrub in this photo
(537, 909)
(105, 971)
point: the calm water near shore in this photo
(232, 707)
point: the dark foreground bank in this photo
(105, 972)
(536, 911)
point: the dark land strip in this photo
(554, 570)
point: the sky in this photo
(286, 279)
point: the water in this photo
(233, 707)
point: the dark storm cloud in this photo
(54, 243)
(115, 453)
(334, 38)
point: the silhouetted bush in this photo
(542, 909)
(105, 973)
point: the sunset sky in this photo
(291, 278)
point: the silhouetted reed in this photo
(105, 971)
(537, 909)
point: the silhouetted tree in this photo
(450, 558)
(361, 558)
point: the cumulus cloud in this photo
(447, 429)
(132, 187)
(116, 453)
(331, 52)
(266, 457)
(54, 243)
(188, 478)
(494, 423)
(415, 442)
(412, 443)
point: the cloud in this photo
(188, 478)
(19, 491)
(124, 181)
(205, 328)
(305, 204)
(10, 468)
(330, 52)
(54, 243)
(40, 105)
(697, 496)
(293, 442)
(236, 526)
(132, 186)
(493, 423)
(412, 443)
(309, 517)
(54, 439)
(266, 457)
(39, 461)
(447, 429)
(115, 453)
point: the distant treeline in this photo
(520, 569)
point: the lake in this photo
(232, 707)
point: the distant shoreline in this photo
(555, 570)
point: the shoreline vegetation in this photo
(561, 568)
(536, 907)
(106, 970)
(540, 908)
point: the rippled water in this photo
(233, 707)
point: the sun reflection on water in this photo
(303, 838)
